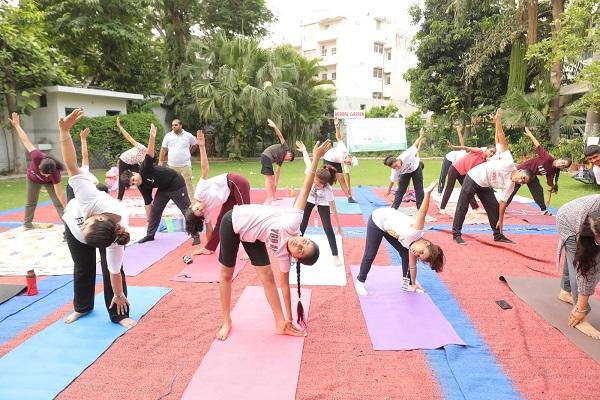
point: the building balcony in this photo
(328, 60)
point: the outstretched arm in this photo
(338, 131)
(85, 161)
(203, 157)
(66, 142)
(461, 140)
(336, 216)
(422, 213)
(151, 141)
(467, 148)
(500, 136)
(302, 149)
(530, 136)
(277, 131)
(126, 134)
(318, 152)
(15, 121)
(420, 138)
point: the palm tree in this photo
(237, 85)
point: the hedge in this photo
(106, 143)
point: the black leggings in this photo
(404, 180)
(123, 166)
(372, 243)
(537, 192)
(443, 173)
(230, 243)
(325, 214)
(488, 200)
(453, 176)
(84, 277)
(179, 197)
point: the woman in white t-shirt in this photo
(131, 159)
(93, 219)
(213, 197)
(321, 195)
(259, 227)
(85, 166)
(406, 236)
(340, 158)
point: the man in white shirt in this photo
(405, 167)
(177, 147)
(592, 155)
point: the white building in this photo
(42, 128)
(365, 56)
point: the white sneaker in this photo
(360, 288)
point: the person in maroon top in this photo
(43, 170)
(543, 164)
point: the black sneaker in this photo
(146, 239)
(459, 240)
(502, 239)
(196, 241)
(351, 200)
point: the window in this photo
(323, 51)
(377, 95)
(326, 26)
(362, 106)
(387, 98)
(389, 55)
(113, 112)
(388, 78)
(333, 51)
(377, 72)
(378, 47)
(324, 76)
(333, 76)
(378, 24)
(43, 101)
(69, 110)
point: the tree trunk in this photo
(532, 21)
(555, 76)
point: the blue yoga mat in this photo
(22, 312)
(48, 362)
(343, 207)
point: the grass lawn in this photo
(370, 172)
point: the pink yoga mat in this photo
(253, 363)
(400, 320)
(138, 257)
(207, 268)
(286, 202)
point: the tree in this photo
(388, 111)
(236, 84)
(236, 17)
(28, 63)
(438, 81)
(109, 44)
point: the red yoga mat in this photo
(206, 268)
(253, 363)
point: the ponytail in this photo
(299, 309)
(555, 186)
(327, 174)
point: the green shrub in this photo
(571, 148)
(106, 143)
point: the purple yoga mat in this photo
(138, 257)
(400, 320)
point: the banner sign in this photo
(349, 114)
(376, 134)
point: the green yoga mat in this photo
(7, 292)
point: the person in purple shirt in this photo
(43, 170)
(542, 164)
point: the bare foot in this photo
(202, 251)
(337, 262)
(442, 211)
(223, 333)
(128, 323)
(244, 257)
(588, 329)
(268, 202)
(290, 330)
(74, 316)
(565, 296)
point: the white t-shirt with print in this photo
(321, 197)
(338, 154)
(213, 192)
(179, 148)
(134, 155)
(410, 163)
(455, 155)
(495, 174)
(397, 224)
(90, 201)
(270, 225)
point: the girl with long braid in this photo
(321, 195)
(259, 227)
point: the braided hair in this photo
(308, 260)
